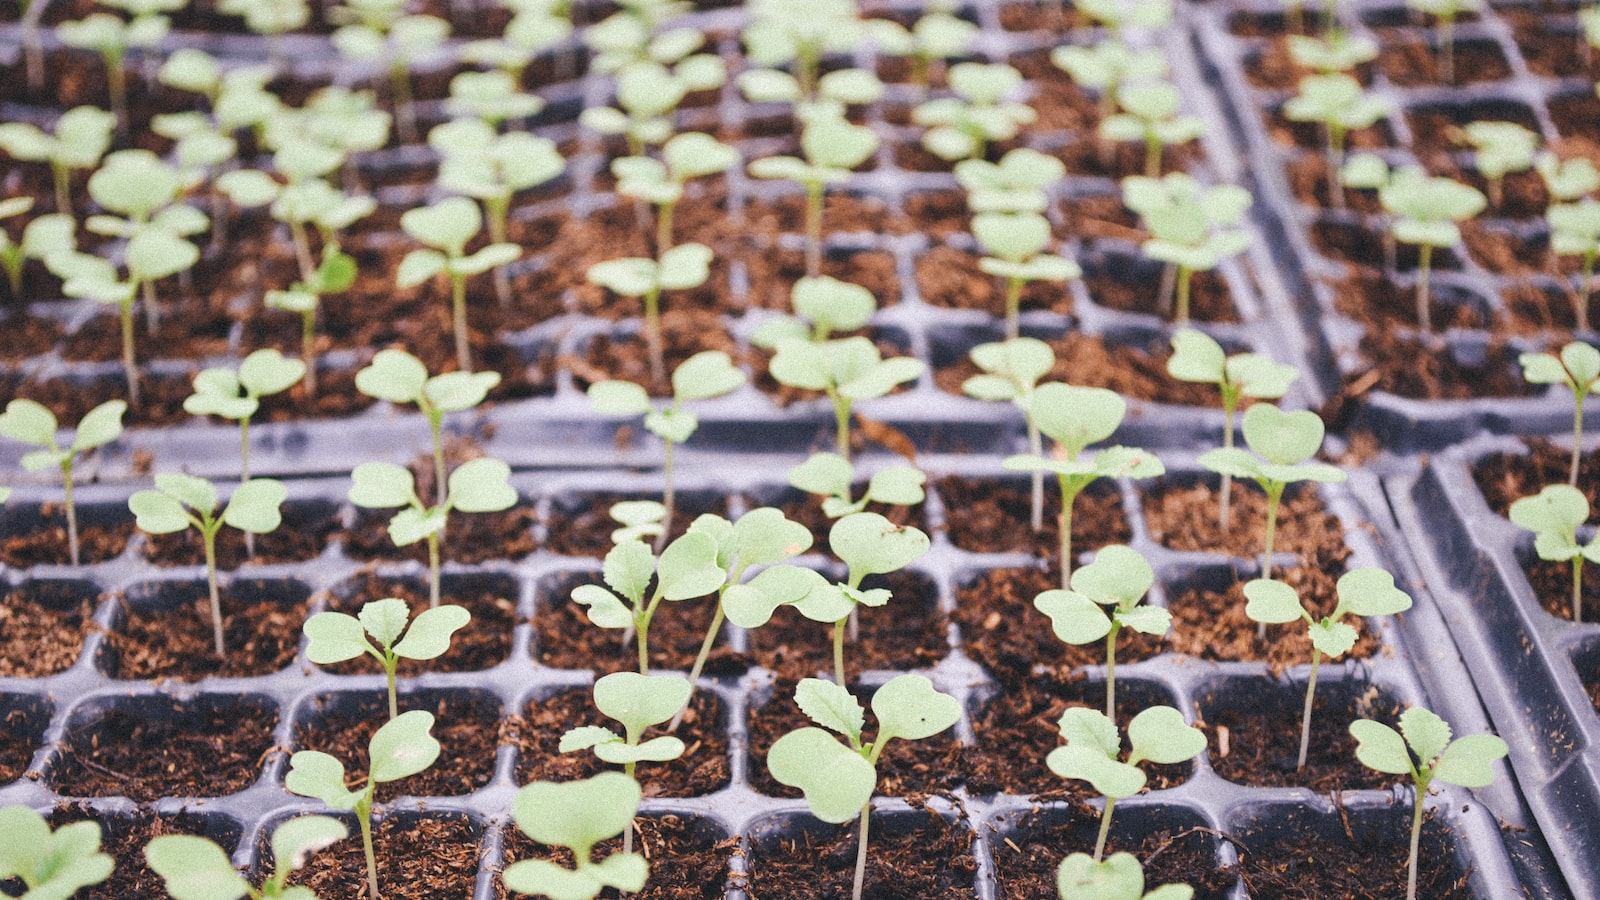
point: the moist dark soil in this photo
(70, 397)
(482, 644)
(703, 768)
(1409, 368)
(688, 859)
(44, 543)
(124, 837)
(20, 729)
(1505, 478)
(173, 752)
(1026, 859)
(1552, 49)
(1139, 291)
(906, 633)
(985, 515)
(950, 278)
(586, 531)
(261, 623)
(466, 727)
(566, 639)
(1134, 371)
(684, 332)
(419, 859)
(468, 537)
(933, 860)
(42, 629)
(1361, 866)
(1210, 624)
(1552, 587)
(1410, 61)
(303, 535)
(1183, 516)
(1258, 725)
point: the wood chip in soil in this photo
(182, 752)
(1027, 859)
(466, 726)
(703, 768)
(45, 542)
(124, 837)
(1505, 478)
(1211, 625)
(303, 535)
(1183, 516)
(932, 860)
(1362, 867)
(261, 634)
(688, 859)
(1261, 722)
(482, 644)
(418, 859)
(41, 630)
(986, 515)
(906, 633)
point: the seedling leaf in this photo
(194, 868)
(837, 781)
(831, 706)
(403, 747)
(909, 708)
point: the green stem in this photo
(668, 496)
(1416, 839)
(1184, 275)
(627, 833)
(1069, 495)
(1305, 719)
(433, 570)
(1036, 447)
(302, 252)
(62, 176)
(308, 349)
(72, 510)
(813, 228)
(14, 278)
(1577, 436)
(1111, 672)
(1152, 156)
(861, 851)
(1274, 496)
(244, 475)
(435, 423)
(117, 84)
(405, 116)
(1586, 279)
(652, 335)
(458, 321)
(841, 422)
(208, 535)
(152, 313)
(838, 650)
(1105, 829)
(1013, 307)
(1336, 136)
(1230, 405)
(1424, 264)
(130, 366)
(364, 819)
(700, 662)
(664, 228)
(498, 209)
(1577, 589)
(389, 665)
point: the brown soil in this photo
(1098, 216)
(466, 727)
(418, 859)
(484, 643)
(1505, 478)
(1136, 372)
(1381, 305)
(1260, 724)
(45, 542)
(1409, 61)
(28, 335)
(841, 212)
(1361, 867)
(261, 623)
(1436, 129)
(938, 214)
(1406, 367)
(1211, 624)
(1308, 179)
(468, 537)
(933, 861)
(1040, 17)
(906, 633)
(42, 627)
(950, 278)
(1577, 115)
(20, 729)
(1551, 48)
(1272, 67)
(1137, 289)
(688, 859)
(1027, 859)
(1552, 587)
(1183, 515)
(69, 397)
(1353, 243)
(586, 531)
(1311, 136)
(124, 837)
(773, 273)
(176, 751)
(684, 332)
(303, 535)
(703, 768)
(989, 516)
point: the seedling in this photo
(479, 485)
(385, 631)
(112, 37)
(1575, 231)
(1015, 244)
(230, 394)
(1339, 103)
(1553, 515)
(1283, 442)
(183, 501)
(661, 182)
(1198, 358)
(1118, 578)
(50, 864)
(41, 237)
(1019, 183)
(678, 268)
(1075, 417)
(847, 370)
(1193, 227)
(1361, 592)
(686, 569)
(868, 544)
(491, 97)
(937, 35)
(1011, 371)
(639, 519)
(31, 423)
(1114, 15)
(1566, 180)
(1368, 171)
(707, 374)
(1338, 51)
(533, 29)
(376, 30)
(1444, 13)
(636, 32)
(1157, 734)
(795, 34)
(577, 815)
(399, 377)
(195, 868)
(831, 147)
(81, 136)
(401, 748)
(1119, 877)
(964, 126)
(1105, 67)
(1150, 114)
(832, 477)
(1578, 367)
(1422, 749)
(1501, 148)
(1424, 211)
(271, 19)
(648, 94)
(838, 780)
(446, 227)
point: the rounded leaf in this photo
(909, 708)
(1074, 618)
(1272, 602)
(157, 513)
(380, 485)
(640, 701)
(1469, 760)
(295, 840)
(403, 746)
(577, 814)
(1284, 438)
(1159, 734)
(1371, 592)
(99, 426)
(30, 422)
(1380, 747)
(428, 637)
(482, 485)
(1119, 574)
(618, 398)
(709, 373)
(334, 637)
(393, 375)
(870, 544)
(254, 505)
(194, 868)
(837, 781)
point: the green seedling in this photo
(1157, 734)
(385, 631)
(1198, 358)
(794, 35)
(41, 237)
(831, 147)
(964, 126)
(1105, 67)
(1075, 417)
(1339, 103)
(838, 780)
(1361, 592)
(707, 374)
(1118, 877)
(1118, 578)
(937, 35)
(1445, 13)
(1553, 515)
(400, 378)
(401, 748)
(142, 192)
(1338, 51)
(1578, 367)
(639, 519)
(52, 865)
(195, 868)
(1424, 211)
(81, 136)
(491, 97)
(1019, 183)
(1114, 15)
(577, 815)
(678, 268)
(236, 394)
(446, 227)
(377, 30)
(1015, 244)
(112, 37)
(1566, 180)
(479, 485)
(824, 306)
(1150, 114)
(1193, 227)
(648, 94)
(847, 370)
(271, 19)
(1575, 231)
(637, 32)
(1367, 171)
(832, 477)
(335, 117)
(1011, 372)
(686, 569)
(533, 29)
(1422, 749)
(31, 423)
(1499, 149)
(1283, 442)
(868, 544)
(661, 182)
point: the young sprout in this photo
(937, 35)
(648, 94)
(195, 868)
(31, 423)
(378, 30)
(1575, 231)
(533, 29)
(479, 485)
(1075, 417)
(1361, 592)
(1115, 15)
(707, 374)
(491, 97)
(401, 748)
(678, 268)
(1366, 171)
(1500, 148)
(1198, 358)
(831, 147)
(1566, 180)
(1011, 371)
(81, 136)
(1338, 102)
(639, 519)
(1019, 183)
(838, 780)
(1193, 227)
(661, 182)
(1118, 578)
(112, 37)
(1150, 114)
(637, 32)
(1015, 244)
(42, 236)
(1553, 515)
(868, 544)
(1119, 877)
(143, 191)
(1105, 67)
(1157, 734)
(964, 126)
(1422, 749)
(847, 370)
(1424, 211)
(577, 815)
(686, 569)
(50, 864)
(1578, 367)
(236, 394)
(385, 631)
(1445, 12)
(832, 477)
(1283, 442)
(1339, 51)
(795, 34)
(446, 227)
(399, 377)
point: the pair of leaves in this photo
(1283, 441)
(336, 637)
(1118, 578)
(167, 509)
(1361, 592)
(638, 702)
(1018, 183)
(1578, 367)
(1553, 515)
(680, 268)
(479, 485)
(577, 815)
(1011, 368)
(707, 374)
(30, 422)
(399, 377)
(1158, 734)
(1119, 877)
(851, 366)
(1422, 749)
(195, 868)
(1336, 100)
(686, 569)
(832, 476)
(52, 865)
(1197, 357)
(236, 395)
(401, 748)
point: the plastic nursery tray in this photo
(1527, 660)
(1405, 670)
(1531, 303)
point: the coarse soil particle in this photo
(20, 728)
(985, 515)
(688, 858)
(1505, 478)
(1211, 625)
(1552, 587)
(482, 644)
(906, 633)
(934, 860)
(124, 837)
(1134, 371)
(703, 768)
(1258, 723)
(1027, 859)
(172, 637)
(566, 639)
(469, 538)
(466, 727)
(44, 542)
(586, 530)
(180, 751)
(42, 627)
(684, 332)
(418, 859)
(1182, 515)
(1381, 305)
(302, 535)
(1363, 865)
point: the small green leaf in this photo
(1160, 735)
(628, 567)
(457, 391)
(1119, 877)
(334, 638)
(1332, 639)
(1119, 574)
(1469, 761)
(1076, 417)
(870, 544)
(909, 708)
(660, 749)
(1196, 357)
(393, 375)
(403, 747)
(619, 398)
(577, 814)
(897, 485)
(99, 426)
(157, 513)
(1283, 438)
(379, 485)
(1558, 508)
(1380, 747)
(29, 422)
(1272, 602)
(640, 701)
(605, 609)
(764, 536)
(587, 737)
(1112, 779)
(429, 634)
(1427, 734)
(751, 605)
(1371, 592)
(295, 840)
(482, 485)
(254, 505)
(828, 474)
(832, 706)
(688, 568)
(837, 781)
(192, 868)
(707, 374)
(1074, 618)
(319, 776)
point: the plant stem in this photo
(700, 662)
(1069, 495)
(1416, 838)
(433, 570)
(435, 422)
(208, 535)
(813, 228)
(1447, 48)
(364, 819)
(1184, 275)
(1230, 405)
(1111, 671)
(664, 228)
(14, 277)
(1152, 156)
(152, 313)
(244, 475)
(1424, 263)
(1336, 135)
(668, 499)
(308, 350)
(838, 651)
(1036, 447)
(1577, 589)
(497, 208)
(405, 118)
(861, 851)
(1586, 279)
(652, 335)
(72, 512)
(627, 833)
(130, 366)
(1274, 495)
(302, 252)
(841, 422)
(1013, 306)
(458, 321)
(1305, 719)
(1105, 829)
(1577, 435)
(117, 87)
